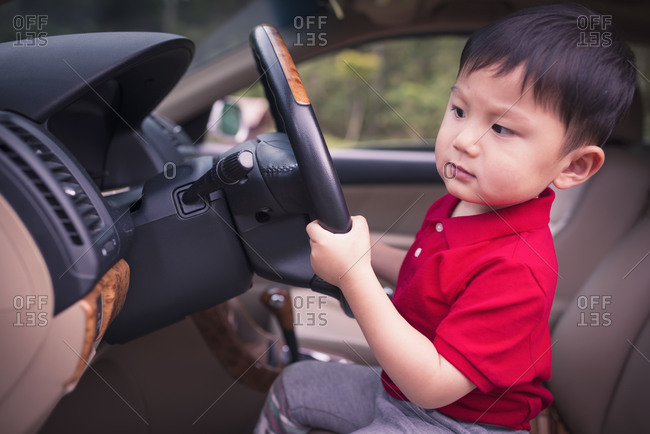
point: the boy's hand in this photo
(338, 257)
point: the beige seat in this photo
(601, 351)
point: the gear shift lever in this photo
(278, 301)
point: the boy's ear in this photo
(580, 165)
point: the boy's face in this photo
(497, 146)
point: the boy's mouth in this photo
(462, 173)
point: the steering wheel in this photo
(294, 116)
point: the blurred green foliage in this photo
(386, 92)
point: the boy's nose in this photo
(467, 141)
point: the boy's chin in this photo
(463, 193)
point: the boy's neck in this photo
(468, 209)
(464, 208)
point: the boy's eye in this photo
(501, 130)
(459, 112)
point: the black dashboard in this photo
(93, 92)
(74, 123)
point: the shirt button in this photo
(417, 252)
(439, 227)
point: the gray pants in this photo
(349, 398)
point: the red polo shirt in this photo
(480, 288)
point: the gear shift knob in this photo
(278, 301)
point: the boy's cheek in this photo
(444, 137)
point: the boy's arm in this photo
(386, 261)
(408, 357)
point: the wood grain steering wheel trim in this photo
(288, 67)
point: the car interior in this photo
(156, 279)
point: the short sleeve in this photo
(496, 332)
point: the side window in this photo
(385, 94)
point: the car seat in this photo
(601, 325)
(601, 343)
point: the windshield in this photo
(215, 26)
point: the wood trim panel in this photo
(115, 285)
(244, 361)
(109, 293)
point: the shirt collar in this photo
(526, 216)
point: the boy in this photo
(465, 345)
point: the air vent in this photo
(45, 192)
(66, 180)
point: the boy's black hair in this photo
(573, 60)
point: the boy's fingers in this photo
(359, 222)
(314, 229)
